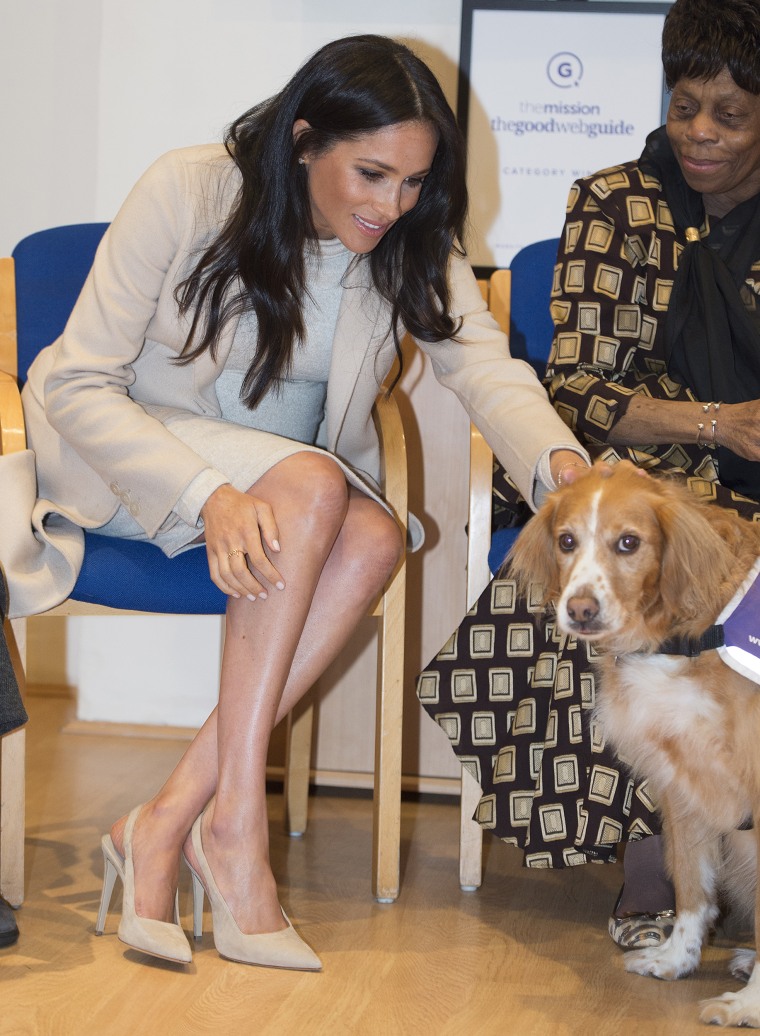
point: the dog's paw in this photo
(742, 963)
(670, 961)
(742, 1008)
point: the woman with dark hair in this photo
(214, 386)
(655, 358)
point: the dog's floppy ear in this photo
(697, 561)
(532, 560)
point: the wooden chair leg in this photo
(298, 766)
(478, 577)
(13, 783)
(470, 836)
(12, 791)
(388, 741)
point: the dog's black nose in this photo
(582, 609)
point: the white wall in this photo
(99, 89)
(91, 91)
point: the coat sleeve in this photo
(86, 390)
(609, 308)
(502, 395)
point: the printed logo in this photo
(565, 70)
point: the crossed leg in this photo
(338, 550)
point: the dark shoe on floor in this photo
(8, 926)
(641, 930)
(637, 931)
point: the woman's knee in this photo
(376, 544)
(390, 542)
(313, 486)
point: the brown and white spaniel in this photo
(640, 567)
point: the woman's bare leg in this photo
(274, 651)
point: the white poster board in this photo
(550, 91)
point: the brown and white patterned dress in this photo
(513, 693)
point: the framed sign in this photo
(550, 90)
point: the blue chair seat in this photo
(139, 577)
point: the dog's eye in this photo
(628, 544)
(566, 542)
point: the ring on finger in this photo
(233, 553)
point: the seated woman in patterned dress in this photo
(657, 342)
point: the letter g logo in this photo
(565, 70)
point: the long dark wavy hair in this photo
(349, 87)
(701, 38)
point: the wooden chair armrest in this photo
(496, 291)
(12, 433)
(393, 452)
(499, 292)
(8, 361)
(479, 515)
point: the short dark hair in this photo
(701, 38)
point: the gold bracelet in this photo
(569, 464)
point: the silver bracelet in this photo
(706, 408)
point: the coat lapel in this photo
(361, 330)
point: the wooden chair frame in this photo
(496, 292)
(390, 611)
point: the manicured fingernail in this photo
(280, 585)
(251, 597)
(275, 544)
(263, 596)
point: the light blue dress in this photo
(291, 410)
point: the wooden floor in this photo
(526, 954)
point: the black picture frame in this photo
(583, 8)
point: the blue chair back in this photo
(51, 267)
(531, 330)
(530, 327)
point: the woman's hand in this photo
(239, 531)
(566, 466)
(737, 428)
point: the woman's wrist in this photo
(707, 425)
(566, 466)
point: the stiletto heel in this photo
(197, 904)
(159, 938)
(111, 868)
(283, 949)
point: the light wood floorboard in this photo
(527, 954)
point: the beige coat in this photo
(94, 398)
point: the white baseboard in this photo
(323, 778)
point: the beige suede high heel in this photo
(283, 949)
(159, 938)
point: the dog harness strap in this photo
(711, 639)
